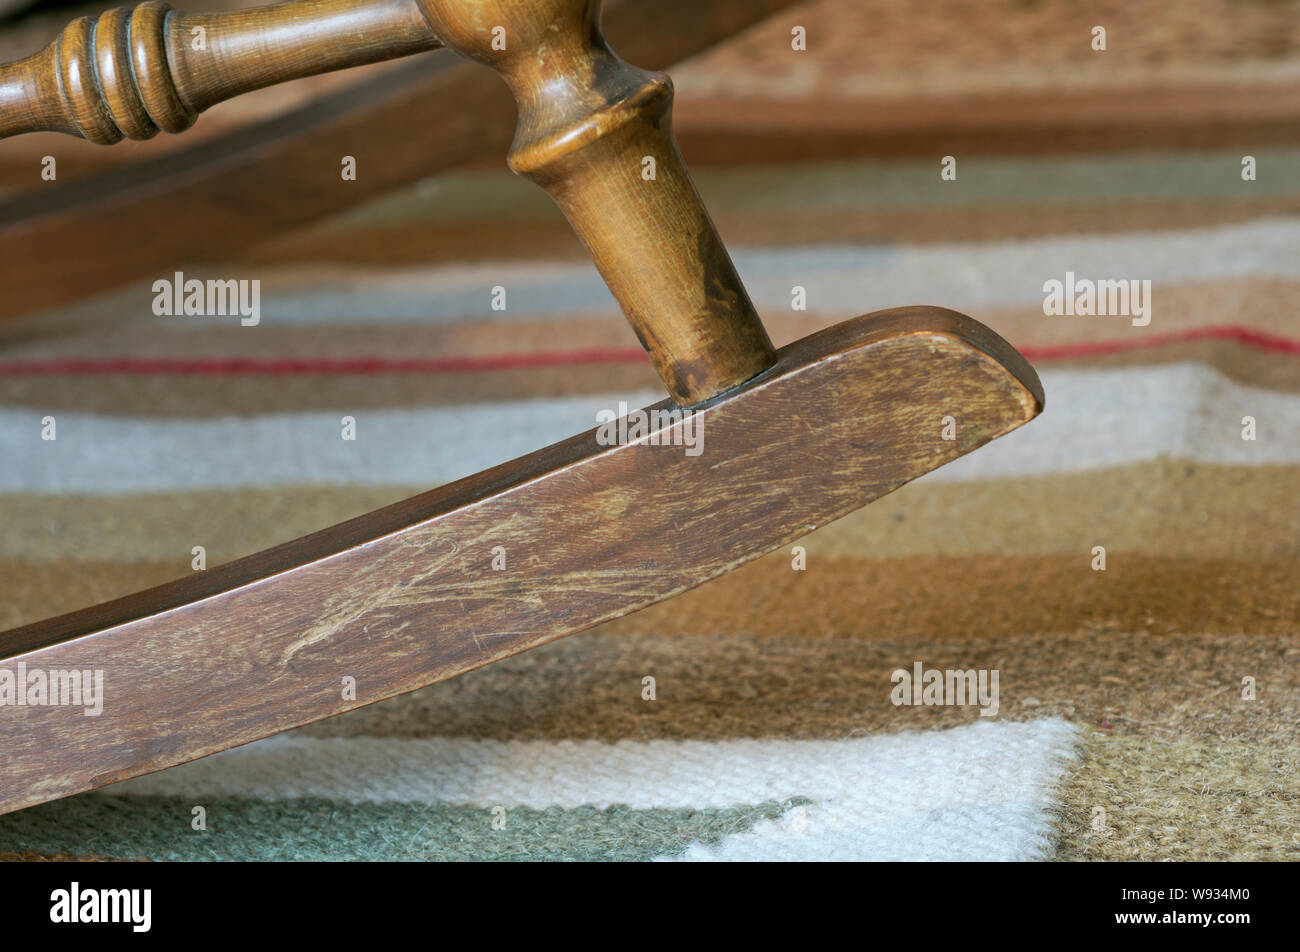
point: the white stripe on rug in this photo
(844, 279)
(978, 792)
(1094, 419)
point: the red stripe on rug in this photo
(609, 355)
(1241, 335)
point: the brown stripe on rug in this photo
(977, 596)
(1152, 89)
(982, 596)
(989, 46)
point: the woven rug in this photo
(1120, 577)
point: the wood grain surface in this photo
(407, 595)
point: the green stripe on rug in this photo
(160, 828)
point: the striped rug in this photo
(1126, 565)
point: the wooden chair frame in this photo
(405, 596)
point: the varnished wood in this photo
(596, 133)
(62, 243)
(407, 595)
(131, 73)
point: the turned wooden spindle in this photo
(588, 123)
(593, 131)
(133, 73)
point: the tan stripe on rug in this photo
(1156, 797)
(1236, 512)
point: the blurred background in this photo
(1170, 156)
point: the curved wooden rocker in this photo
(85, 236)
(406, 596)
